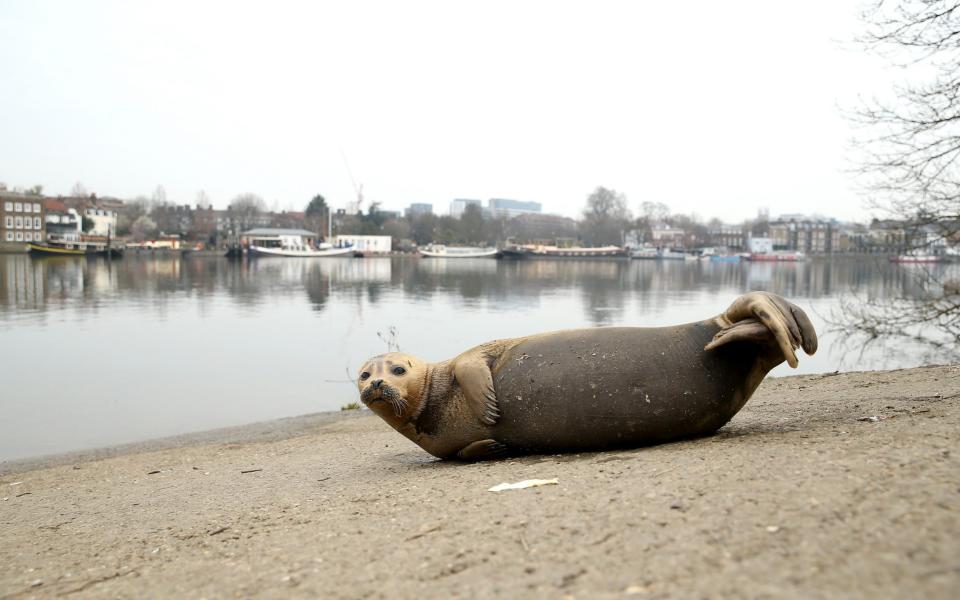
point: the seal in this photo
(588, 389)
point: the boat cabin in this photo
(287, 239)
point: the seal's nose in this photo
(376, 383)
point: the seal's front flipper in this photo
(747, 330)
(483, 450)
(475, 379)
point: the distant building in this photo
(729, 236)
(419, 208)
(759, 245)
(808, 235)
(503, 208)
(459, 206)
(101, 211)
(229, 221)
(63, 222)
(667, 236)
(365, 243)
(389, 214)
(104, 220)
(288, 219)
(21, 218)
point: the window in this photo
(18, 223)
(28, 237)
(8, 222)
(8, 206)
(19, 236)
(9, 236)
(36, 207)
(36, 222)
(17, 207)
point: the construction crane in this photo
(357, 206)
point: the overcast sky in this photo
(716, 108)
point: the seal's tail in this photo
(758, 315)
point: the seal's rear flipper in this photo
(475, 379)
(752, 313)
(483, 450)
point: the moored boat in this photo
(298, 252)
(777, 256)
(558, 252)
(295, 243)
(727, 258)
(916, 258)
(645, 253)
(651, 253)
(668, 254)
(441, 251)
(73, 248)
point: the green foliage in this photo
(317, 206)
(351, 406)
(86, 224)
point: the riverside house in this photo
(21, 221)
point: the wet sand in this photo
(796, 497)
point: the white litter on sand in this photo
(526, 483)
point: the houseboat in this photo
(577, 252)
(441, 251)
(298, 243)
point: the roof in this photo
(54, 205)
(274, 231)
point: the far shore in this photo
(823, 486)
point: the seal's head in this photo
(393, 386)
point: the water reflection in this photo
(50, 283)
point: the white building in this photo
(667, 236)
(760, 245)
(459, 206)
(104, 221)
(376, 244)
(504, 208)
(63, 222)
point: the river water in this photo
(95, 353)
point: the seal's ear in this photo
(475, 379)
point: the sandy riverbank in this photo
(795, 497)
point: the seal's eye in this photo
(364, 376)
(399, 371)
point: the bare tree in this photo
(605, 218)
(143, 228)
(911, 157)
(79, 191)
(159, 197)
(912, 143)
(245, 209)
(203, 200)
